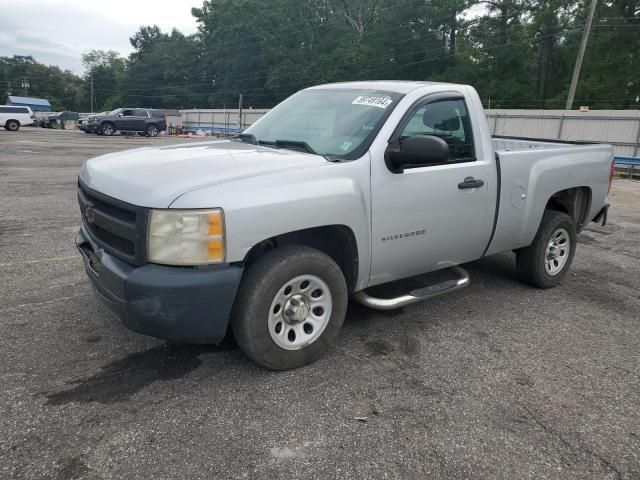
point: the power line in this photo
(342, 20)
(256, 75)
(220, 49)
(243, 78)
(385, 69)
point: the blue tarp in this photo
(620, 160)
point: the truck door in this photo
(435, 216)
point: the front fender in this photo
(261, 207)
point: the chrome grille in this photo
(117, 227)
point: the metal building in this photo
(36, 104)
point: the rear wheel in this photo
(290, 307)
(152, 131)
(107, 129)
(546, 261)
(12, 125)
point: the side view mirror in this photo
(415, 152)
(119, 115)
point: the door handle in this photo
(470, 182)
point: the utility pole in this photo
(583, 47)
(240, 111)
(92, 93)
(25, 85)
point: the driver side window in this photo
(449, 120)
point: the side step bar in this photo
(415, 295)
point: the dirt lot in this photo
(496, 381)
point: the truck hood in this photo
(156, 176)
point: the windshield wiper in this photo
(295, 144)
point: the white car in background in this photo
(13, 117)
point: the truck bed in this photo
(530, 171)
(516, 144)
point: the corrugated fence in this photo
(220, 120)
(620, 128)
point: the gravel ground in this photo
(496, 381)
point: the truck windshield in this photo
(333, 122)
(114, 112)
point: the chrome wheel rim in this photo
(107, 130)
(153, 131)
(300, 311)
(557, 252)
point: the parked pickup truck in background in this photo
(14, 117)
(339, 188)
(58, 119)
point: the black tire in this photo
(107, 129)
(531, 261)
(151, 130)
(260, 285)
(12, 125)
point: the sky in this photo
(57, 32)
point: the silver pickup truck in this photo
(339, 188)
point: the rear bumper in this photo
(179, 304)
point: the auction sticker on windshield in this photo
(372, 101)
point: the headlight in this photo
(186, 237)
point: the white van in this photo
(13, 117)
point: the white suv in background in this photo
(13, 117)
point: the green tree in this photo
(58, 86)
(164, 71)
(107, 69)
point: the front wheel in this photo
(12, 125)
(290, 307)
(546, 261)
(107, 129)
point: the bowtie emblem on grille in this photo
(90, 214)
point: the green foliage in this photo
(60, 87)
(517, 53)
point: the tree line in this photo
(517, 53)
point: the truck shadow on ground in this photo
(117, 381)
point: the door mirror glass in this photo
(418, 151)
